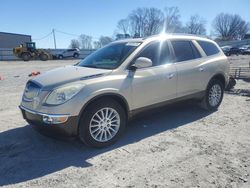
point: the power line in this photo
(44, 36)
(54, 36)
(66, 33)
(71, 34)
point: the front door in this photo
(154, 84)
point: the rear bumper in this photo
(68, 128)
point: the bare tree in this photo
(153, 22)
(196, 25)
(74, 44)
(104, 40)
(229, 27)
(137, 22)
(85, 41)
(123, 26)
(172, 21)
(96, 44)
(142, 22)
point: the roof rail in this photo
(179, 34)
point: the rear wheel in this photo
(26, 56)
(76, 55)
(60, 57)
(214, 95)
(102, 123)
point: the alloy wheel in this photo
(215, 94)
(104, 124)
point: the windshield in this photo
(109, 57)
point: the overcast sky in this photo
(97, 17)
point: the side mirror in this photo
(141, 62)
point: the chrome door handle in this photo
(201, 69)
(171, 75)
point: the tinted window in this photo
(183, 50)
(208, 47)
(158, 52)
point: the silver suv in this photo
(94, 98)
(75, 52)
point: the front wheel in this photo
(102, 123)
(26, 56)
(213, 96)
(44, 57)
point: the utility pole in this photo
(53, 31)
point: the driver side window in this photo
(157, 52)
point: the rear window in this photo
(184, 50)
(208, 47)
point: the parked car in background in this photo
(94, 98)
(245, 50)
(229, 50)
(75, 52)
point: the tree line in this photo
(144, 22)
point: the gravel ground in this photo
(176, 146)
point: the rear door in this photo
(67, 53)
(188, 63)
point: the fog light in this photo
(54, 119)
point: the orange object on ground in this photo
(34, 73)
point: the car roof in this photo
(176, 36)
(164, 37)
(129, 40)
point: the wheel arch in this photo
(117, 97)
(220, 77)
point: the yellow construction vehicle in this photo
(29, 51)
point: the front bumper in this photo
(65, 126)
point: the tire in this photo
(44, 57)
(76, 55)
(92, 129)
(214, 95)
(26, 56)
(60, 57)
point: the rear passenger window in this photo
(184, 50)
(208, 47)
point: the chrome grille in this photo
(31, 91)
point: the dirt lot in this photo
(177, 146)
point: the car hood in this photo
(67, 74)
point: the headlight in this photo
(63, 94)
